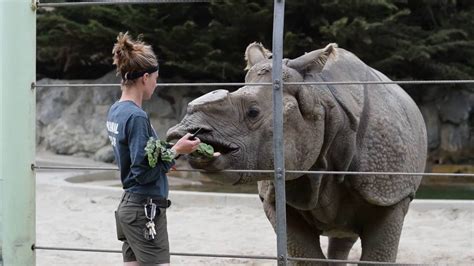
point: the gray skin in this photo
(366, 128)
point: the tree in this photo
(205, 41)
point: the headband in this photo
(136, 74)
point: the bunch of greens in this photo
(156, 149)
(204, 150)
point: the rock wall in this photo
(71, 120)
(449, 118)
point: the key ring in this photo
(152, 210)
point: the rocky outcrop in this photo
(449, 117)
(71, 120)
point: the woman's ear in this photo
(145, 78)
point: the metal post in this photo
(17, 130)
(278, 143)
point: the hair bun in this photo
(123, 50)
(132, 55)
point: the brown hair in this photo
(132, 55)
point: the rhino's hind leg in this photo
(339, 248)
(381, 234)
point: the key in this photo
(146, 234)
(151, 229)
(150, 233)
(151, 225)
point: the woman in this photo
(142, 228)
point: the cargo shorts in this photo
(131, 225)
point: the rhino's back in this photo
(391, 133)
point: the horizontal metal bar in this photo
(117, 2)
(37, 167)
(227, 171)
(85, 168)
(268, 84)
(158, 85)
(379, 173)
(383, 82)
(350, 261)
(171, 253)
(256, 257)
(214, 84)
(77, 249)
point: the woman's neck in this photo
(132, 94)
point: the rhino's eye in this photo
(253, 112)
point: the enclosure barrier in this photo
(92, 168)
(405, 82)
(231, 256)
(115, 2)
(280, 170)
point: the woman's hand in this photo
(185, 145)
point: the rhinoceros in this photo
(364, 128)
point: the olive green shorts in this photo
(131, 226)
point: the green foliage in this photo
(204, 150)
(158, 149)
(205, 41)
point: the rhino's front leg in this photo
(381, 234)
(303, 240)
(339, 248)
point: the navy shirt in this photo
(129, 130)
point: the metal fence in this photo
(279, 166)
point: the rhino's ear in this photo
(255, 53)
(313, 61)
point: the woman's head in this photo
(136, 62)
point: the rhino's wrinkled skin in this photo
(366, 128)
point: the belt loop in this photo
(126, 196)
(123, 196)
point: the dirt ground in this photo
(81, 216)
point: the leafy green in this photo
(204, 150)
(156, 149)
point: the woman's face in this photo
(150, 84)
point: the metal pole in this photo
(278, 143)
(17, 131)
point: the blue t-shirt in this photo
(129, 130)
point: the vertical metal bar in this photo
(17, 130)
(278, 143)
(2, 25)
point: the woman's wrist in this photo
(174, 153)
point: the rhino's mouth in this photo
(206, 136)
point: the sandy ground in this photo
(80, 216)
